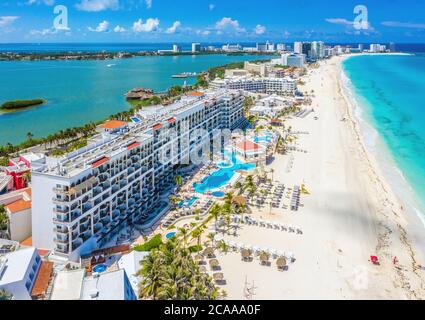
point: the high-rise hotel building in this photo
(81, 201)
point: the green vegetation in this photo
(170, 273)
(4, 223)
(218, 72)
(21, 104)
(150, 245)
(4, 295)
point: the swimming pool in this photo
(224, 175)
(170, 235)
(135, 120)
(266, 138)
(188, 202)
(100, 268)
(218, 194)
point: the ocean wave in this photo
(376, 146)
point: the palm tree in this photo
(4, 295)
(4, 222)
(26, 178)
(210, 237)
(150, 273)
(197, 233)
(272, 172)
(169, 272)
(184, 234)
(30, 136)
(179, 181)
(215, 212)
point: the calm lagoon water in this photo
(81, 91)
(391, 93)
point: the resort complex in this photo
(250, 182)
(81, 201)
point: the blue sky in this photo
(211, 21)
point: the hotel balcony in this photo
(62, 248)
(97, 227)
(76, 243)
(61, 211)
(61, 239)
(61, 219)
(84, 224)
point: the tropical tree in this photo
(170, 273)
(197, 234)
(179, 181)
(26, 178)
(4, 295)
(4, 222)
(215, 212)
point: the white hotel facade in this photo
(281, 86)
(81, 200)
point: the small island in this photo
(17, 105)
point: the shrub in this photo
(153, 243)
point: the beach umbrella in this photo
(264, 257)
(202, 269)
(245, 253)
(214, 263)
(208, 251)
(218, 276)
(281, 262)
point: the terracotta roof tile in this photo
(18, 206)
(113, 124)
(43, 278)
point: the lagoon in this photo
(82, 91)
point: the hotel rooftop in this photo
(108, 144)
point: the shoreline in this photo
(379, 150)
(403, 212)
(349, 214)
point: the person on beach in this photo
(395, 260)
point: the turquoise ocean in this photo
(388, 92)
(82, 91)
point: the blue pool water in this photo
(218, 194)
(188, 203)
(221, 177)
(267, 138)
(100, 268)
(390, 92)
(170, 235)
(136, 120)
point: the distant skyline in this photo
(211, 21)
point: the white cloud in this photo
(102, 27)
(340, 21)
(97, 5)
(259, 29)
(7, 20)
(174, 27)
(350, 24)
(150, 25)
(119, 29)
(44, 32)
(46, 2)
(148, 4)
(211, 7)
(229, 25)
(398, 24)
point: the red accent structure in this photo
(157, 126)
(171, 120)
(133, 145)
(99, 162)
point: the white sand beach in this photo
(350, 214)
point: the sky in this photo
(343, 21)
